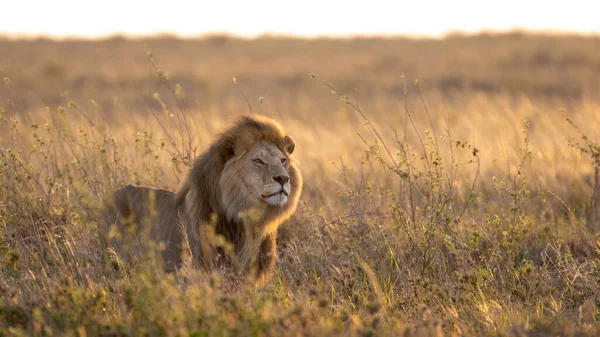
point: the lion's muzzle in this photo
(276, 194)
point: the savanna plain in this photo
(452, 186)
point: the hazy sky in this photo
(300, 17)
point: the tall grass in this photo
(432, 215)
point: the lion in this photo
(235, 196)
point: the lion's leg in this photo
(200, 236)
(208, 250)
(193, 236)
(266, 257)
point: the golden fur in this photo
(240, 190)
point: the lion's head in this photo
(247, 169)
(258, 178)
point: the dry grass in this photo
(464, 204)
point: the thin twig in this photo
(243, 95)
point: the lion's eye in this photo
(258, 161)
(283, 160)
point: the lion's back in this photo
(137, 218)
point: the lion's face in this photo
(266, 175)
(257, 178)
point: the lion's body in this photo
(241, 188)
(143, 217)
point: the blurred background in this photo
(483, 69)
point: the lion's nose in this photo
(282, 179)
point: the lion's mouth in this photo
(282, 191)
(278, 198)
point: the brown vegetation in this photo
(452, 187)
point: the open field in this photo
(452, 187)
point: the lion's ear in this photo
(227, 149)
(289, 144)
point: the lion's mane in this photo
(201, 198)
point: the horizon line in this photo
(228, 34)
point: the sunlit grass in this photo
(435, 213)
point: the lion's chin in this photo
(278, 199)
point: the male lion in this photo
(241, 189)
